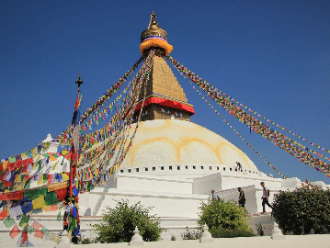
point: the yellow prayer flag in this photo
(21, 186)
(54, 166)
(16, 186)
(52, 158)
(64, 152)
(18, 178)
(4, 164)
(39, 202)
(65, 177)
(40, 181)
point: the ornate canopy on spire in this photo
(154, 36)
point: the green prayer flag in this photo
(29, 229)
(8, 222)
(44, 178)
(72, 224)
(28, 183)
(12, 160)
(33, 194)
(89, 186)
(39, 165)
(51, 198)
(44, 229)
(24, 221)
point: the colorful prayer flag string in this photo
(256, 125)
(235, 131)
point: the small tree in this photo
(225, 219)
(119, 223)
(302, 210)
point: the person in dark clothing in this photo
(265, 196)
(238, 166)
(241, 198)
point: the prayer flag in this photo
(24, 220)
(36, 225)
(3, 214)
(14, 232)
(8, 222)
(39, 234)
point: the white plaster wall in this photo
(206, 184)
(289, 241)
(165, 205)
(127, 182)
(232, 180)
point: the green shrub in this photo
(232, 233)
(119, 223)
(302, 210)
(191, 235)
(225, 219)
(85, 241)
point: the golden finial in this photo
(153, 29)
(153, 21)
(154, 36)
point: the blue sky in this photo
(273, 56)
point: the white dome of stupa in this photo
(179, 142)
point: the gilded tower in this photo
(165, 98)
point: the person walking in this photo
(265, 196)
(214, 196)
(241, 198)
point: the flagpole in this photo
(74, 148)
(71, 220)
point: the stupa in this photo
(173, 163)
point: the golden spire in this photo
(165, 98)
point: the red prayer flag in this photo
(14, 232)
(61, 193)
(36, 225)
(24, 236)
(28, 161)
(39, 234)
(3, 214)
(7, 183)
(16, 195)
(49, 178)
(51, 208)
(11, 166)
(76, 105)
(18, 163)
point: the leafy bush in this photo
(232, 233)
(119, 223)
(302, 210)
(85, 241)
(191, 235)
(225, 219)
